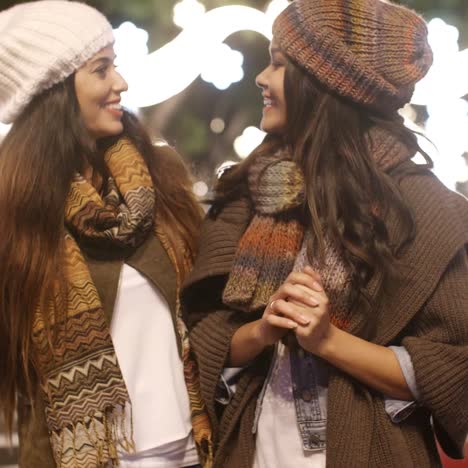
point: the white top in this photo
(145, 343)
(279, 443)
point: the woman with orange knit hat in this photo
(98, 231)
(336, 267)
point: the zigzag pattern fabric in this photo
(199, 416)
(83, 388)
(82, 383)
(124, 216)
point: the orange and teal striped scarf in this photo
(82, 385)
(269, 247)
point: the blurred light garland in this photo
(4, 129)
(178, 63)
(199, 49)
(442, 91)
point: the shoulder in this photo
(424, 190)
(441, 233)
(439, 212)
(219, 238)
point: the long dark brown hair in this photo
(348, 198)
(46, 145)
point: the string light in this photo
(169, 70)
(441, 91)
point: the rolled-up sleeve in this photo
(399, 410)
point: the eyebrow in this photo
(103, 60)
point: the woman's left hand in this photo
(313, 336)
(375, 365)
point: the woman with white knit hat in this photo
(98, 232)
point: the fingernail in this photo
(292, 324)
(313, 302)
(304, 320)
(317, 286)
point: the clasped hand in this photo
(300, 305)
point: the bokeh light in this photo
(223, 66)
(200, 189)
(187, 12)
(217, 125)
(171, 69)
(442, 91)
(248, 141)
(131, 47)
(4, 129)
(275, 7)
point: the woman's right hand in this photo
(283, 312)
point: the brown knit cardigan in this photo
(428, 314)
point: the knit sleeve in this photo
(211, 341)
(439, 352)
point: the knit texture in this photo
(41, 44)
(267, 252)
(83, 388)
(271, 244)
(427, 314)
(370, 51)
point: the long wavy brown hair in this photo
(46, 145)
(348, 198)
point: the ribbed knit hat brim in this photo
(370, 51)
(41, 44)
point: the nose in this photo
(120, 85)
(261, 80)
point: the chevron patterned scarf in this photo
(84, 391)
(271, 244)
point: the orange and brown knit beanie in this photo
(370, 51)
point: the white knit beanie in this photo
(41, 44)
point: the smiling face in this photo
(271, 81)
(98, 87)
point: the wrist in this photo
(328, 345)
(258, 334)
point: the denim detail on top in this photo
(406, 364)
(309, 376)
(227, 384)
(278, 441)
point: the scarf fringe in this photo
(75, 384)
(202, 432)
(96, 441)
